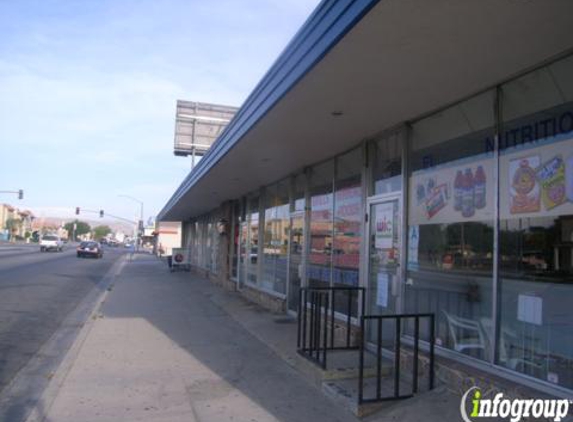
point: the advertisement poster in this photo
(537, 181)
(524, 188)
(551, 176)
(458, 191)
(384, 226)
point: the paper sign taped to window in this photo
(382, 290)
(530, 309)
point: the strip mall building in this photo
(422, 150)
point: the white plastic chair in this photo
(466, 334)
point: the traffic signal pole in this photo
(102, 213)
(20, 192)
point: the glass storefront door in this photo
(384, 256)
(296, 242)
(383, 264)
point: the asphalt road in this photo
(37, 291)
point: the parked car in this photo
(51, 242)
(90, 248)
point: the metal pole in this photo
(397, 359)
(432, 352)
(136, 234)
(361, 363)
(416, 352)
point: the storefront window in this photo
(321, 225)
(192, 243)
(214, 235)
(536, 225)
(235, 230)
(276, 237)
(387, 164)
(244, 255)
(299, 182)
(269, 249)
(281, 234)
(348, 216)
(202, 243)
(209, 245)
(253, 247)
(451, 221)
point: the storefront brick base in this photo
(267, 301)
(458, 378)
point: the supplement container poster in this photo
(537, 181)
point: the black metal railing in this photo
(317, 309)
(377, 339)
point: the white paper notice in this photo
(530, 309)
(382, 290)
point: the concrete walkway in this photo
(173, 347)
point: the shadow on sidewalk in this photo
(180, 306)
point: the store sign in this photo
(559, 124)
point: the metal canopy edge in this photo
(330, 21)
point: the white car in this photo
(51, 242)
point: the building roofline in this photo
(327, 24)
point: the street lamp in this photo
(140, 214)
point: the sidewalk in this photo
(174, 347)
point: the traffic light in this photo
(20, 194)
(77, 210)
(100, 213)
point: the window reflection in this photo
(253, 245)
(387, 166)
(321, 220)
(276, 237)
(348, 216)
(450, 233)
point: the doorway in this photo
(384, 251)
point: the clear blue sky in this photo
(88, 91)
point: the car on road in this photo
(51, 242)
(89, 248)
(113, 243)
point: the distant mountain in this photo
(54, 222)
